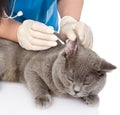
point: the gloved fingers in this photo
(40, 42)
(91, 43)
(37, 26)
(91, 38)
(27, 24)
(44, 36)
(29, 46)
(88, 41)
(85, 34)
(70, 34)
(80, 30)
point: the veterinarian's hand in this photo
(71, 28)
(33, 35)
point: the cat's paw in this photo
(91, 99)
(43, 101)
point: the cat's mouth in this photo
(77, 95)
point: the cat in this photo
(68, 70)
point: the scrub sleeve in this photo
(44, 11)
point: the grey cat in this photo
(66, 70)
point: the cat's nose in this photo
(76, 89)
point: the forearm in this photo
(70, 8)
(8, 29)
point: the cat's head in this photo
(79, 71)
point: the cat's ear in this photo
(71, 48)
(106, 66)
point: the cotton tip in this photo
(61, 41)
(20, 13)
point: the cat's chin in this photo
(76, 96)
(79, 96)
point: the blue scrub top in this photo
(44, 11)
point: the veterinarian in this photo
(32, 23)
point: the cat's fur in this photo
(65, 70)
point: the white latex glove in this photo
(71, 28)
(33, 35)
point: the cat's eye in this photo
(100, 73)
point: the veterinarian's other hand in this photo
(71, 28)
(33, 35)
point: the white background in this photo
(104, 18)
